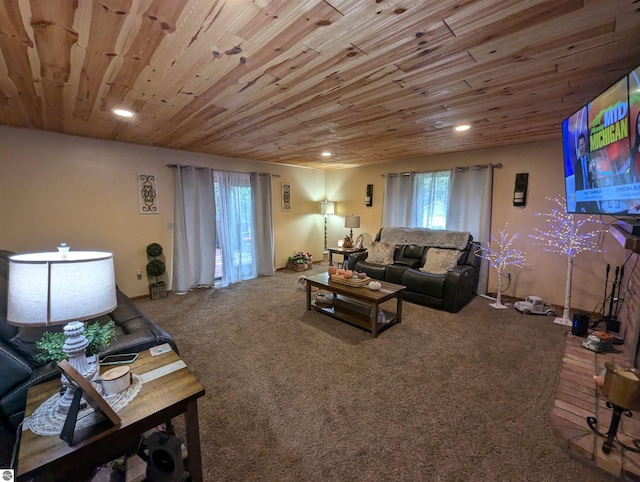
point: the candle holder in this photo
(621, 388)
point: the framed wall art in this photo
(286, 196)
(148, 193)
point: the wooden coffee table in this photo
(358, 305)
(168, 390)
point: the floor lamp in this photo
(62, 288)
(326, 208)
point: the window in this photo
(417, 200)
(431, 199)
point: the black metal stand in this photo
(72, 416)
(611, 435)
(69, 427)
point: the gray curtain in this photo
(470, 208)
(261, 194)
(194, 247)
(398, 197)
(242, 226)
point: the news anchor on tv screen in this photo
(601, 146)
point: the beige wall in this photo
(57, 188)
(546, 272)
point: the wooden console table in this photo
(345, 252)
(168, 390)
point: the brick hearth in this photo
(630, 311)
(577, 397)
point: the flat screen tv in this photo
(601, 144)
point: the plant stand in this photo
(612, 434)
(158, 290)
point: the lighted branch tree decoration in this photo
(501, 255)
(562, 237)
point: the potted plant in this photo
(51, 343)
(300, 261)
(156, 267)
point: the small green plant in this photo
(50, 346)
(99, 337)
(51, 343)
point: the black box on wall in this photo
(520, 191)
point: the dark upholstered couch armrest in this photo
(458, 287)
(14, 369)
(355, 257)
(139, 332)
(375, 271)
(141, 339)
(13, 403)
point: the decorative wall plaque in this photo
(286, 196)
(148, 193)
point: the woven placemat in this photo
(47, 421)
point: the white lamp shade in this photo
(49, 289)
(327, 207)
(352, 222)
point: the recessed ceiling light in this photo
(463, 127)
(326, 154)
(123, 112)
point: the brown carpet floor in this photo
(293, 395)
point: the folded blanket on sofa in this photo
(441, 238)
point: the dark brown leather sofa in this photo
(450, 291)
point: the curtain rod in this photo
(476, 166)
(175, 166)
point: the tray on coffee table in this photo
(351, 282)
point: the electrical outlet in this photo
(509, 276)
(139, 274)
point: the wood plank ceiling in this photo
(283, 80)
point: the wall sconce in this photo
(368, 196)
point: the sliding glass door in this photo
(223, 228)
(234, 215)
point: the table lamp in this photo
(351, 222)
(64, 287)
(326, 208)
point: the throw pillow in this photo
(440, 260)
(380, 253)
